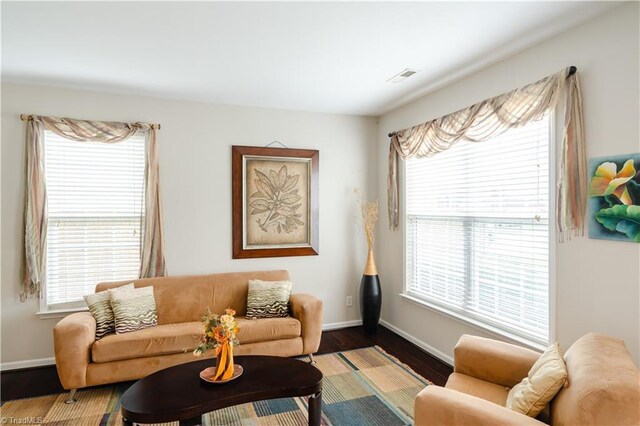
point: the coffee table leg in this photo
(315, 409)
(195, 421)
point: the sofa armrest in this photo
(436, 405)
(493, 361)
(73, 337)
(308, 310)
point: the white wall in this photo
(597, 282)
(195, 167)
(598, 286)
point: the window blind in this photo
(95, 208)
(477, 224)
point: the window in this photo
(477, 231)
(95, 208)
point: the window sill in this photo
(59, 313)
(486, 328)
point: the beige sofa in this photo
(603, 389)
(181, 301)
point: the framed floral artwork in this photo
(614, 198)
(275, 202)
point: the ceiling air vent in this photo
(402, 75)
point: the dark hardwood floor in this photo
(421, 362)
(29, 382)
(39, 381)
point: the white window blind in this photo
(478, 231)
(95, 197)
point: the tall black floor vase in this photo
(370, 297)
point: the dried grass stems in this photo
(369, 210)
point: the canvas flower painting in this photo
(614, 204)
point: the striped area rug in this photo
(360, 387)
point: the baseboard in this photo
(422, 345)
(28, 363)
(339, 325)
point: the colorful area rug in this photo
(360, 387)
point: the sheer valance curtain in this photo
(35, 209)
(491, 117)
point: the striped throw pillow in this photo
(268, 299)
(133, 309)
(100, 307)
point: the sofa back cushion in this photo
(186, 298)
(604, 384)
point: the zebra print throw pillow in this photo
(268, 299)
(133, 309)
(100, 307)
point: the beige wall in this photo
(597, 282)
(195, 166)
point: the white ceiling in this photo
(329, 57)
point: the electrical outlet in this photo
(349, 301)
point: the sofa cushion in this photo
(262, 330)
(177, 338)
(160, 340)
(476, 387)
(186, 298)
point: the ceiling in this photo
(326, 56)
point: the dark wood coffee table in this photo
(178, 393)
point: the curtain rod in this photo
(27, 117)
(572, 71)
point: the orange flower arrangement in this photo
(220, 333)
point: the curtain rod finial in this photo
(392, 134)
(572, 70)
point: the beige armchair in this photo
(603, 389)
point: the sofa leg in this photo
(72, 397)
(311, 360)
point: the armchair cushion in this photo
(545, 379)
(435, 405)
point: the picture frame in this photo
(275, 202)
